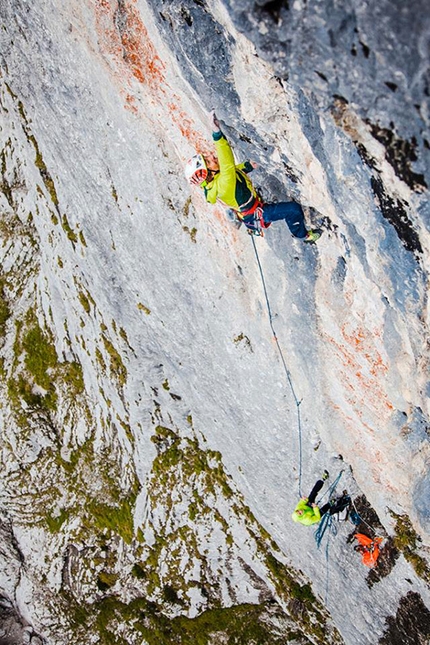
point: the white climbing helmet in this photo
(196, 170)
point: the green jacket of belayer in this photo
(310, 514)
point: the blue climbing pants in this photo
(291, 212)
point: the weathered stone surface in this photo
(154, 441)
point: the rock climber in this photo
(226, 182)
(307, 512)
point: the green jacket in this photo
(311, 514)
(231, 185)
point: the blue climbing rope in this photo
(331, 489)
(327, 519)
(287, 371)
(328, 525)
(327, 570)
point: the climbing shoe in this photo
(325, 475)
(312, 236)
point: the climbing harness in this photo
(253, 218)
(256, 204)
(287, 372)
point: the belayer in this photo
(226, 182)
(307, 512)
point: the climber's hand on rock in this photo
(213, 121)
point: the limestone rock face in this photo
(170, 386)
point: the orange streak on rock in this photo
(124, 39)
(138, 50)
(125, 43)
(186, 127)
(130, 103)
(228, 230)
(109, 41)
(361, 342)
(364, 390)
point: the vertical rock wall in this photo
(152, 446)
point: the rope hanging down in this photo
(327, 523)
(359, 519)
(287, 371)
(327, 519)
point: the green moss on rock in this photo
(106, 580)
(244, 624)
(73, 377)
(117, 367)
(408, 542)
(5, 311)
(38, 377)
(55, 522)
(85, 302)
(41, 356)
(118, 518)
(143, 308)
